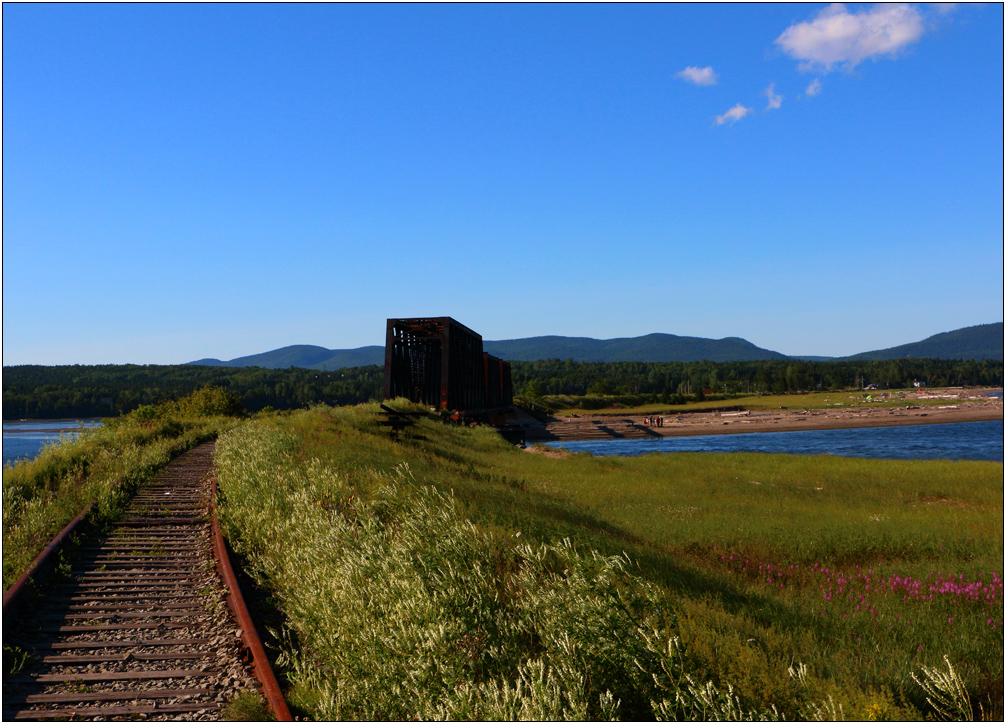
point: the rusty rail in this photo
(12, 597)
(263, 670)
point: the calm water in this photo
(24, 439)
(953, 441)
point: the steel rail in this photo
(260, 662)
(12, 597)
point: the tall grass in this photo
(401, 608)
(467, 565)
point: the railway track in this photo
(140, 626)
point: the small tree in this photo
(600, 386)
(210, 401)
(532, 390)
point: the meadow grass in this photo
(450, 575)
(566, 406)
(104, 464)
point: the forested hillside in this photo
(648, 348)
(107, 390)
(304, 355)
(983, 341)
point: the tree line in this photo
(568, 377)
(44, 392)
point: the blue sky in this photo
(186, 181)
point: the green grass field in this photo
(742, 568)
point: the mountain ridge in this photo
(982, 341)
(655, 347)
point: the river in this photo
(24, 439)
(952, 441)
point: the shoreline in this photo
(811, 424)
(754, 421)
(26, 433)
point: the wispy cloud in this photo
(814, 88)
(733, 115)
(774, 99)
(837, 36)
(698, 76)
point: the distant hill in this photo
(304, 355)
(648, 348)
(983, 341)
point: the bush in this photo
(211, 401)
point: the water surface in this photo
(24, 439)
(952, 441)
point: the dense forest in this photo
(31, 391)
(567, 377)
(40, 392)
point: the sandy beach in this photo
(921, 408)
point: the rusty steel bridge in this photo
(437, 361)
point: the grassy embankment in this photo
(834, 400)
(106, 464)
(433, 578)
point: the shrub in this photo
(211, 401)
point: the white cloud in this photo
(733, 115)
(774, 99)
(814, 88)
(839, 36)
(698, 76)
